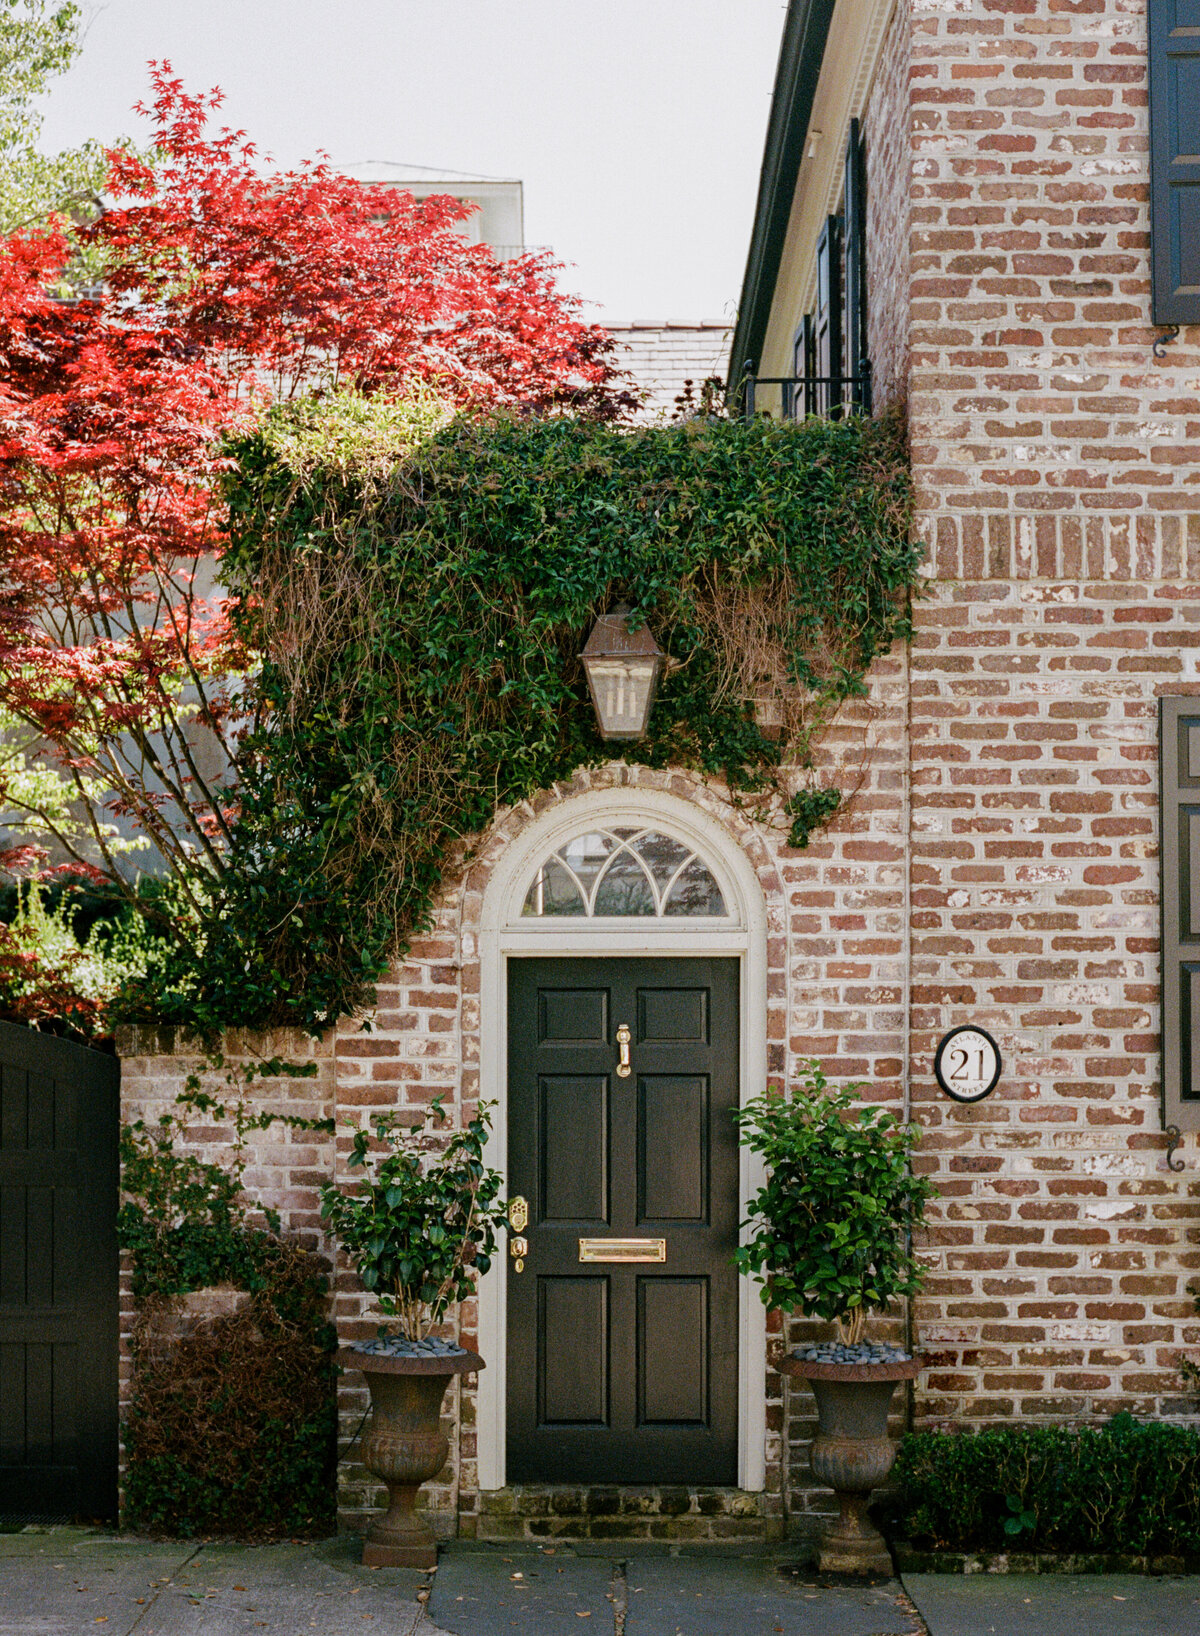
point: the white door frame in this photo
(504, 936)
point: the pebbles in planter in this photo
(395, 1346)
(864, 1352)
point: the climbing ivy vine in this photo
(420, 587)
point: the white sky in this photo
(637, 126)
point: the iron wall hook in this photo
(1162, 342)
(1174, 1143)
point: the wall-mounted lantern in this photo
(623, 669)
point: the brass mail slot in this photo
(622, 1249)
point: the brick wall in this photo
(1055, 461)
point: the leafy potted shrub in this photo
(419, 1227)
(830, 1236)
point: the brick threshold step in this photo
(567, 1511)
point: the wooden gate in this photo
(59, 1325)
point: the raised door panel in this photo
(573, 1351)
(673, 1352)
(673, 1129)
(573, 1143)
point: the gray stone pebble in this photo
(864, 1352)
(395, 1346)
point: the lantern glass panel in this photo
(622, 690)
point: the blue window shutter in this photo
(1175, 160)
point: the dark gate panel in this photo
(59, 1324)
(624, 1372)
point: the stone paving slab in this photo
(490, 1591)
(68, 1581)
(748, 1596)
(1056, 1604)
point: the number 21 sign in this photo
(967, 1064)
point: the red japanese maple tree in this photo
(228, 287)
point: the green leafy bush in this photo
(58, 972)
(1127, 1487)
(831, 1226)
(423, 1224)
(232, 1427)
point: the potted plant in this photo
(419, 1227)
(830, 1235)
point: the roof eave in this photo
(801, 54)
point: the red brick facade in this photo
(1055, 460)
(999, 862)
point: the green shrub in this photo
(232, 1427)
(831, 1229)
(421, 1225)
(1127, 1487)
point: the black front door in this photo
(623, 1322)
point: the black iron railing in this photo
(829, 396)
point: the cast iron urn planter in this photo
(403, 1444)
(852, 1452)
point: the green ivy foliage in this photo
(1127, 1487)
(232, 1427)
(422, 590)
(830, 1231)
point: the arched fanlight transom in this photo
(624, 872)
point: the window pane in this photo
(624, 889)
(553, 893)
(662, 854)
(695, 893)
(586, 856)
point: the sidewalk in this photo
(63, 1581)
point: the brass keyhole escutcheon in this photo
(623, 1039)
(518, 1214)
(518, 1248)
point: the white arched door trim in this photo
(505, 935)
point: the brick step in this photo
(551, 1511)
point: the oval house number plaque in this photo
(967, 1064)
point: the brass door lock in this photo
(518, 1220)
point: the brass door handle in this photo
(518, 1248)
(623, 1039)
